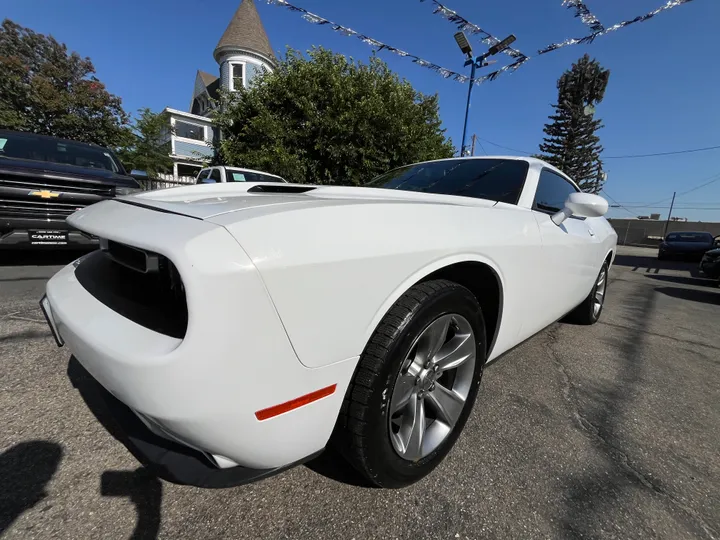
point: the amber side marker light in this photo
(296, 403)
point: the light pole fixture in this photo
(463, 43)
(478, 61)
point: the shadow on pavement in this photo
(702, 282)
(593, 494)
(39, 257)
(651, 265)
(142, 487)
(145, 492)
(332, 465)
(694, 295)
(25, 470)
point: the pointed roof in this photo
(207, 78)
(246, 32)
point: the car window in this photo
(38, 148)
(483, 178)
(215, 176)
(202, 177)
(690, 237)
(256, 177)
(552, 192)
(247, 176)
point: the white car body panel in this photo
(284, 290)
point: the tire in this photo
(369, 432)
(586, 313)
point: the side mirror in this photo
(139, 175)
(582, 205)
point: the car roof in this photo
(49, 137)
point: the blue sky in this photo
(662, 94)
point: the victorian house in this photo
(242, 52)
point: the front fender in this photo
(333, 271)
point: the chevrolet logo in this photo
(45, 194)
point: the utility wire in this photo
(505, 147)
(664, 153)
(621, 157)
(481, 146)
(617, 203)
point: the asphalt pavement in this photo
(609, 431)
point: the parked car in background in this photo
(686, 245)
(213, 175)
(237, 330)
(710, 264)
(45, 179)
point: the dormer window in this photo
(237, 76)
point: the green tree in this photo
(148, 148)
(571, 143)
(327, 119)
(45, 89)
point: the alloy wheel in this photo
(600, 287)
(432, 387)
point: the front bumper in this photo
(203, 390)
(164, 458)
(710, 268)
(45, 235)
(682, 255)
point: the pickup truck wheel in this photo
(414, 386)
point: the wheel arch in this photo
(478, 274)
(610, 257)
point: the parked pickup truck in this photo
(221, 173)
(45, 179)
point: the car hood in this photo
(206, 201)
(47, 169)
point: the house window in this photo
(238, 79)
(189, 131)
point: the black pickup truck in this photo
(45, 179)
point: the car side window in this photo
(202, 177)
(215, 175)
(552, 192)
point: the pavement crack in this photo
(616, 454)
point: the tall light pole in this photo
(669, 215)
(478, 61)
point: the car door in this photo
(215, 176)
(569, 250)
(202, 176)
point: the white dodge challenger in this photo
(238, 329)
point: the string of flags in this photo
(464, 25)
(581, 11)
(379, 45)
(589, 39)
(584, 14)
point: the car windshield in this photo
(493, 179)
(690, 237)
(37, 148)
(235, 175)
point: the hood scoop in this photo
(279, 188)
